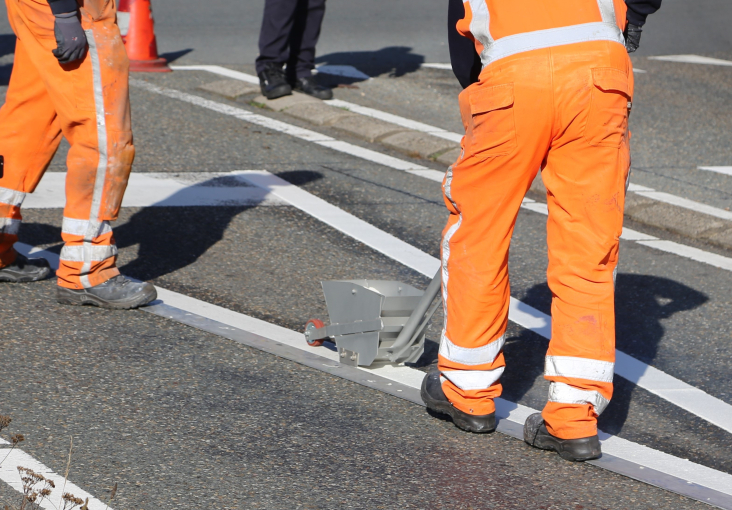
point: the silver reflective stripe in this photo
(9, 226)
(82, 253)
(519, 43)
(475, 356)
(81, 227)
(94, 225)
(480, 23)
(566, 394)
(607, 11)
(473, 379)
(446, 255)
(11, 197)
(579, 368)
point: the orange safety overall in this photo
(554, 94)
(87, 102)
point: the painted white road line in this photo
(395, 119)
(651, 379)
(382, 159)
(436, 131)
(162, 189)
(505, 410)
(297, 132)
(667, 198)
(726, 170)
(693, 59)
(10, 475)
(448, 67)
(221, 71)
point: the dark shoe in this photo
(308, 85)
(118, 293)
(272, 81)
(24, 270)
(435, 399)
(576, 450)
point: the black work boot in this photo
(576, 450)
(118, 293)
(24, 270)
(308, 85)
(435, 399)
(272, 81)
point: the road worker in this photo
(70, 78)
(549, 86)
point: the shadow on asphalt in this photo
(393, 60)
(172, 56)
(642, 303)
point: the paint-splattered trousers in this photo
(87, 102)
(563, 110)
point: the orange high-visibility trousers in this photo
(88, 103)
(563, 110)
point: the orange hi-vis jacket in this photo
(554, 95)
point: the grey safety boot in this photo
(576, 450)
(24, 270)
(435, 399)
(118, 293)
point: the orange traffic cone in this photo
(138, 32)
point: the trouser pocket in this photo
(607, 121)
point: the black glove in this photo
(70, 38)
(632, 37)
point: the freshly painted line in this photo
(689, 252)
(283, 127)
(222, 71)
(665, 386)
(448, 67)
(369, 155)
(436, 131)
(512, 415)
(667, 198)
(161, 190)
(693, 59)
(395, 119)
(10, 475)
(726, 170)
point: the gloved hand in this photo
(632, 37)
(70, 38)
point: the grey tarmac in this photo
(182, 418)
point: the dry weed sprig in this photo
(70, 501)
(36, 488)
(4, 421)
(111, 496)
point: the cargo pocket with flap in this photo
(607, 122)
(493, 129)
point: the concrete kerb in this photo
(230, 89)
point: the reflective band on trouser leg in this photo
(10, 201)
(89, 248)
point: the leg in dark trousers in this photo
(290, 30)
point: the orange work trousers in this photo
(563, 110)
(87, 102)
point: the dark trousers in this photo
(290, 30)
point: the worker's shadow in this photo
(642, 302)
(171, 238)
(393, 60)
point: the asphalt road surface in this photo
(182, 418)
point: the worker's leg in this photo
(92, 103)
(508, 117)
(274, 36)
(304, 37)
(585, 179)
(29, 137)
